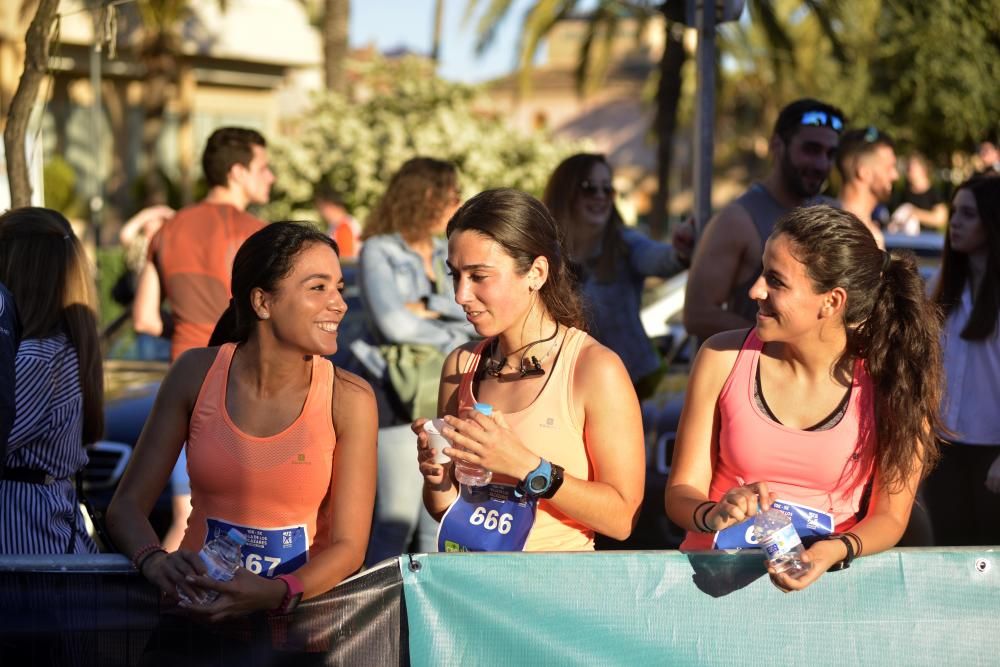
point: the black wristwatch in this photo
(542, 482)
(846, 563)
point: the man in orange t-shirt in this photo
(191, 259)
(191, 256)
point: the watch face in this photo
(537, 484)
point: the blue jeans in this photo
(399, 507)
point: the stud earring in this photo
(264, 316)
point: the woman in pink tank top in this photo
(281, 445)
(832, 397)
(564, 442)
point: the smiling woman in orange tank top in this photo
(564, 442)
(280, 443)
(831, 397)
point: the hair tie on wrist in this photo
(702, 526)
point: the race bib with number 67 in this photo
(268, 551)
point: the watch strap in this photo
(846, 563)
(557, 481)
(293, 595)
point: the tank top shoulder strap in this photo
(764, 209)
(565, 372)
(321, 389)
(465, 397)
(743, 368)
(213, 388)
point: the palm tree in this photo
(159, 53)
(335, 23)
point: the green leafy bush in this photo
(395, 110)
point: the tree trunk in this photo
(36, 63)
(161, 68)
(668, 96)
(115, 105)
(336, 17)
(438, 29)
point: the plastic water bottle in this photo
(778, 538)
(468, 473)
(221, 556)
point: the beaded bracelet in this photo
(145, 552)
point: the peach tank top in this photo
(550, 428)
(273, 482)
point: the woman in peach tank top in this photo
(281, 445)
(564, 442)
(836, 389)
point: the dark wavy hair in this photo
(561, 193)
(985, 188)
(415, 198)
(44, 266)
(890, 324)
(525, 229)
(261, 262)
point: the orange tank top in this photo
(826, 470)
(550, 428)
(267, 483)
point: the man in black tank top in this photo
(727, 259)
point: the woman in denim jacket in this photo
(614, 261)
(410, 303)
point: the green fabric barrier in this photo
(906, 606)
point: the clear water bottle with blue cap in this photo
(221, 556)
(470, 474)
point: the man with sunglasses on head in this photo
(727, 260)
(866, 160)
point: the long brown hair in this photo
(890, 325)
(415, 200)
(525, 229)
(955, 265)
(561, 194)
(44, 266)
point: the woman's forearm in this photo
(599, 506)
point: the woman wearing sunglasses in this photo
(613, 261)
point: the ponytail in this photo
(900, 343)
(226, 330)
(890, 324)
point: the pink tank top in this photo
(267, 483)
(826, 470)
(550, 428)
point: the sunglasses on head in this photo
(593, 189)
(822, 119)
(872, 134)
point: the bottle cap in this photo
(484, 408)
(236, 536)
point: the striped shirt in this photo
(47, 435)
